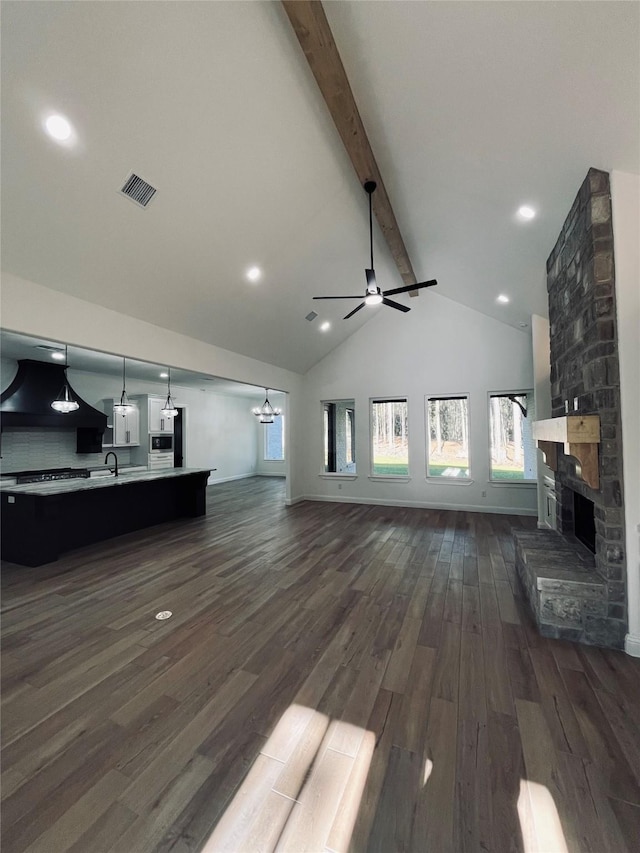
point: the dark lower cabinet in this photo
(36, 529)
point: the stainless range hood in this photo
(27, 401)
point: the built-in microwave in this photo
(160, 443)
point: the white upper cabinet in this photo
(126, 428)
(157, 421)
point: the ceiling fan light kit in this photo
(373, 294)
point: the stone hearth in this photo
(567, 595)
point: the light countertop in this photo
(82, 484)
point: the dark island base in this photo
(36, 529)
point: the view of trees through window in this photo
(274, 440)
(389, 429)
(513, 454)
(448, 445)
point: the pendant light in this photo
(169, 410)
(124, 405)
(64, 402)
(266, 412)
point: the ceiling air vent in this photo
(138, 190)
(311, 316)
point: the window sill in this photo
(513, 484)
(451, 481)
(338, 475)
(387, 478)
(273, 460)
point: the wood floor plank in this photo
(554, 827)
(393, 823)
(433, 822)
(471, 609)
(447, 664)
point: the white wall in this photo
(625, 202)
(439, 347)
(32, 309)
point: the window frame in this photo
(432, 478)
(373, 475)
(265, 429)
(497, 481)
(350, 405)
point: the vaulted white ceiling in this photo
(472, 109)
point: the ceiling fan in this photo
(373, 295)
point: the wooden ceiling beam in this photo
(310, 24)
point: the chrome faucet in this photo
(111, 453)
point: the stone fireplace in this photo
(584, 381)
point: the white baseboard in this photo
(212, 482)
(262, 474)
(294, 501)
(632, 645)
(497, 510)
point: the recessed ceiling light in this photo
(254, 273)
(59, 356)
(526, 212)
(502, 298)
(164, 376)
(324, 327)
(58, 128)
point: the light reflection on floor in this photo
(539, 820)
(303, 791)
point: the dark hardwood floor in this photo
(333, 677)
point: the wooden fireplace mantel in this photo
(580, 437)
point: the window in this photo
(448, 436)
(274, 440)
(513, 449)
(390, 438)
(339, 437)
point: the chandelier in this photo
(266, 412)
(124, 405)
(169, 410)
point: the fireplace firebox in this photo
(584, 522)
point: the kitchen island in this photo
(40, 521)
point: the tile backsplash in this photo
(33, 448)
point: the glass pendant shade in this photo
(266, 412)
(124, 405)
(64, 402)
(169, 410)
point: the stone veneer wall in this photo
(584, 364)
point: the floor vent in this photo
(311, 316)
(138, 190)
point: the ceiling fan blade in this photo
(371, 279)
(393, 304)
(351, 313)
(409, 287)
(359, 296)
